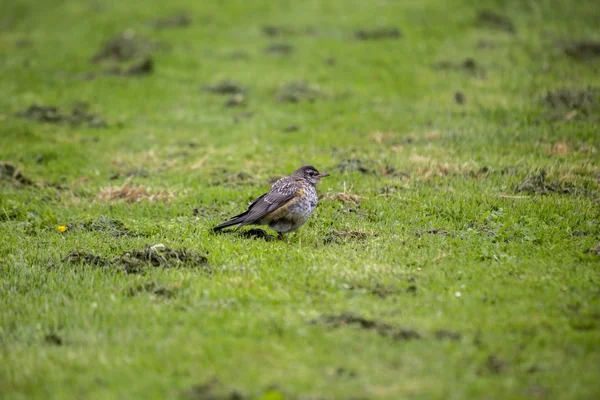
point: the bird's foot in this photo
(280, 236)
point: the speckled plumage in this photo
(286, 207)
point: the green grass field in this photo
(454, 253)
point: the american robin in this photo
(286, 207)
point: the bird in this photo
(286, 207)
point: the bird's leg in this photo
(280, 235)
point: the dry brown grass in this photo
(133, 193)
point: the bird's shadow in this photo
(253, 233)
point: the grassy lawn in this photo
(454, 252)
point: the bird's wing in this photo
(281, 192)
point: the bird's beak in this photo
(322, 175)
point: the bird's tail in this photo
(238, 219)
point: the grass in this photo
(449, 256)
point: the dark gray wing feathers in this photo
(281, 192)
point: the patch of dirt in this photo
(567, 103)
(9, 172)
(256, 233)
(378, 289)
(277, 31)
(225, 86)
(80, 257)
(132, 193)
(583, 50)
(493, 20)
(51, 114)
(107, 225)
(538, 185)
(158, 291)
(296, 92)
(443, 334)
(495, 364)
(126, 46)
(344, 197)
(159, 256)
(138, 260)
(378, 33)
(383, 329)
(237, 100)
(596, 250)
(468, 65)
(143, 67)
(291, 128)
(355, 165)
(214, 390)
(460, 98)
(281, 49)
(340, 236)
(53, 338)
(178, 20)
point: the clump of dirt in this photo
(296, 92)
(567, 103)
(154, 289)
(378, 289)
(107, 225)
(237, 100)
(444, 334)
(178, 20)
(383, 329)
(256, 233)
(159, 256)
(583, 50)
(344, 197)
(378, 33)
(468, 65)
(276, 31)
(80, 257)
(53, 338)
(9, 172)
(495, 364)
(538, 185)
(143, 67)
(126, 46)
(79, 115)
(291, 128)
(138, 260)
(127, 55)
(460, 98)
(282, 49)
(214, 390)
(225, 86)
(493, 20)
(132, 193)
(340, 236)
(348, 165)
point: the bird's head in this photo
(310, 174)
